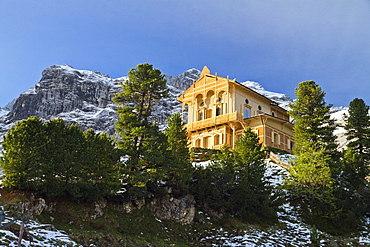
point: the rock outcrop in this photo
(185, 80)
(63, 89)
(83, 97)
(178, 209)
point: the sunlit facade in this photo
(219, 109)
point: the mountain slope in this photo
(85, 97)
(82, 97)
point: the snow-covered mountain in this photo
(282, 99)
(85, 97)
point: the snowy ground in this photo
(291, 232)
(43, 235)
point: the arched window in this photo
(218, 111)
(200, 115)
(246, 113)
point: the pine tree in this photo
(235, 183)
(311, 182)
(252, 197)
(311, 117)
(319, 180)
(55, 159)
(98, 176)
(353, 194)
(62, 162)
(315, 174)
(23, 147)
(313, 132)
(179, 170)
(358, 135)
(141, 140)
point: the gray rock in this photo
(169, 208)
(83, 97)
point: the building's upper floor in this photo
(215, 100)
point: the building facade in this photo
(219, 109)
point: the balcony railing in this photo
(209, 122)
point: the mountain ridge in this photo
(85, 97)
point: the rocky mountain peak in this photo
(63, 89)
(184, 80)
(83, 97)
(282, 99)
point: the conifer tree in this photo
(252, 191)
(354, 195)
(311, 117)
(65, 147)
(314, 136)
(234, 183)
(315, 172)
(179, 170)
(140, 137)
(23, 145)
(99, 177)
(358, 135)
(55, 159)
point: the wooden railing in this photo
(209, 122)
(275, 158)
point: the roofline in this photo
(274, 103)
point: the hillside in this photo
(111, 223)
(84, 97)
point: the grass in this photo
(115, 228)
(140, 227)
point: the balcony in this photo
(210, 122)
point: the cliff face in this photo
(185, 80)
(63, 89)
(83, 97)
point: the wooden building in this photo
(219, 109)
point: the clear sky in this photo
(277, 43)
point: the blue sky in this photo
(277, 43)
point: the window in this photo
(290, 144)
(246, 113)
(217, 140)
(200, 115)
(273, 114)
(255, 132)
(206, 142)
(197, 143)
(275, 138)
(259, 108)
(218, 111)
(209, 113)
(247, 101)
